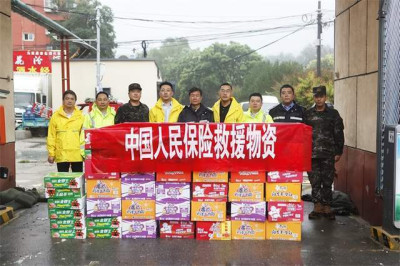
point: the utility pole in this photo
(319, 19)
(98, 81)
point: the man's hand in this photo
(50, 159)
(337, 158)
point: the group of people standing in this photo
(65, 141)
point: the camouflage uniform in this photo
(129, 113)
(328, 141)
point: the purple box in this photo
(248, 211)
(105, 207)
(172, 191)
(134, 189)
(139, 229)
(178, 210)
(138, 176)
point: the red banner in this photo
(144, 147)
(34, 61)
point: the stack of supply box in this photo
(66, 202)
(138, 205)
(248, 208)
(173, 204)
(209, 200)
(285, 207)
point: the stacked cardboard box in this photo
(285, 208)
(66, 200)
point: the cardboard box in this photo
(248, 211)
(138, 189)
(174, 176)
(60, 193)
(138, 209)
(68, 233)
(128, 177)
(110, 207)
(63, 180)
(214, 230)
(289, 192)
(103, 222)
(283, 231)
(172, 191)
(103, 232)
(210, 191)
(285, 177)
(248, 230)
(66, 214)
(178, 210)
(248, 177)
(66, 203)
(177, 229)
(246, 192)
(139, 229)
(285, 211)
(67, 223)
(103, 188)
(208, 211)
(219, 177)
(90, 174)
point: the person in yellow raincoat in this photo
(167, 109)
(255, 114)
(227, 109)
(63, 140)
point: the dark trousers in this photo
(64, 167)
(321, 179)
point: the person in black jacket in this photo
(288, 110)
(196, 111)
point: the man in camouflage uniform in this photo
(328, 141)
(134, 110)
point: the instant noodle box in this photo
(173, 210)
(66, 203)
(283, 231)
(139, 229)
(170, 191)
(285, 177)
(248, 177)
(103, 232)
(174, 176)
(210, 191)
(104, 207)
(129, 177)
(289, 192)
(63, 180)
(67, 223)
(138, 209)
(219, 177)
(214, 230)
(208, 211)
(90, 174)
(68, 233)
(103, 188)
(248, 211)
(58, 193)
(248, 230)
(177, 229)
(246, 192)
(138, 189)
(285, 211)
(66, 214)
(103, 222)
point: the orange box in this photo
(248, 230)
(248, 177)
(174, 176)
(287, 192)
(139, 209)
(208, 211)
(283, 231)
(104, 188)
(246, 192)
(217, 177)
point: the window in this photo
(28, 37)
(49, 5)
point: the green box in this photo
(68, 233)
(66, 214)
(66, 203)
(64, 180)
(60, 193)
(103, 222)
(67, 223)
(103, 232)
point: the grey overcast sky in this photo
(252, 22)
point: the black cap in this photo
(319, 91)
(134, 86)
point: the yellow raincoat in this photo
(260, 117)
(235, 113)
(157, 113)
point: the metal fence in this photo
(389, 77)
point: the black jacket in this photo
(190, 115)
(295, 114)
(129, 113)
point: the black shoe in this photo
(314, 215)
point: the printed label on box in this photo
(103, 222)
(66, 214)
(208, 211)
(283, 231)
(139, 229)
(60, 193)
(248, 177)
(67, 223)
(66, 203)
(131, 177)
(103, 207)
(103, 188)
(210, 191)
(248, 230)
(289, 192)
(103, 232)
(63, 180)
(176, 229)
(68, 233)
(285, 211)
(248, 211)
(137, 189)
(138, 209)
(219, 177)
(170, 191)
(285, 177)
(173, 210)
(174, 176)
(214, 230)
(246, 192)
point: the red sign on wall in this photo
(34, 61)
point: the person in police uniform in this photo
(328, 140)
(288, 110)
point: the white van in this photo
(269, 102)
